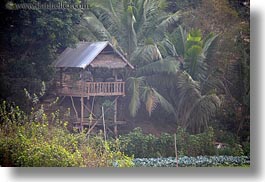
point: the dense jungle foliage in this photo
(192, 64)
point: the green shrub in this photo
(140, 145)
(194, 145)
(234, 150)
(231, 141)
(33, 146)
(226, 137)
(246, 148)
(29, 140)
(48, 155)
(165, 145)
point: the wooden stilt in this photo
(104, 124)
(82, 107)
(61, 100)
(91, 113)
(176, 150)
(115, 108)
(115, 118)
(82, 113)
(92, 127)
(89, 110)
(61, 77)
(73, 104)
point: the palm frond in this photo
(85, 34)
(208, 43)
(108, 20)
(134, 90)
(194, 110)
(170, 21)
(164, 103)
(158, 67)
(118, 20)
(140, 14)
(150, 99)
(145, 54)
(201, 112)
(162, 80)
(183, 41)
(214, 81)
(151, 16)
(168, 47)
(96, 27)
(187, 90)
(131, 34)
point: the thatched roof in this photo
(96, 54)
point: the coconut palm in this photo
(128, 23)
(193, 108)
(194, 52)
(138, 29)
(134, 27)
(191, 49)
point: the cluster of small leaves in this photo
(36, 145)
(147, 145)
(30, 141)
(199, 161)
(138, 144)
(141, 145)
(195, 145)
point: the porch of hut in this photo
(87, 71)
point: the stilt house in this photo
(90, 70)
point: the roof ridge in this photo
(84, 54)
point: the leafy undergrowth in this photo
(30, 141)
(141, 145)
(199, 161)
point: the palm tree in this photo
(194, 54)
(194, 109)
(128, 23)
(191, 49)
(134, 27)
(196, 95)
(138, 29)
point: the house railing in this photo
(84, 89)
(105, 88)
